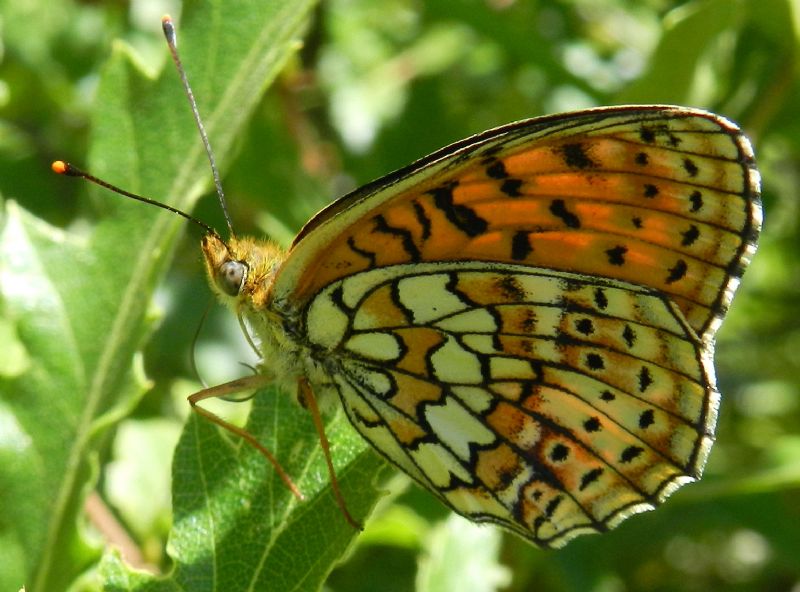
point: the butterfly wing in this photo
(664, 197)
(524, 321)
(547, 402)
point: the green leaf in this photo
(237, 526)
(462, 556)
(680, 71)
(51, 406)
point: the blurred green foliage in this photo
(376, 84)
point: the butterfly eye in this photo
(231, 277)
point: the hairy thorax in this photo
(242, 272)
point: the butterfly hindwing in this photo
(548, 402)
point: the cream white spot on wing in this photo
(471, 502)
(457, 427)
(453, 364)
(483, 344)
(326, 322)
(502, 368)
(428, 298)
(474, 398)
(439, 465)
(477, 320)
(375, 381)
(383, 347)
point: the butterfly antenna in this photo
(64, 168)
(172, 42)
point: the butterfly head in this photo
(241, 269)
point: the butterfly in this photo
(522, 321)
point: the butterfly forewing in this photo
(661, 197)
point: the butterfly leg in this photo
(237, 386)
(309, 401)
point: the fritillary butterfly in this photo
(522, 321)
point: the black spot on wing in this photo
(559, 453)
(600, 298)
(520, 245)
(650, 133)
(630, 453)
(559, 209)
(496, 170)
(645, 379)
(647, 135)
(589, 477)
(592, 424)
(511, 187)
(672, 139)
(616, 256)
(690, 167)
(506, 476)
(595, 361)
(696, 198)
(677, 271)
(462, 217)
(584, 326)
(552, 506)
(690, 235)
(629, 335)
(575, 156)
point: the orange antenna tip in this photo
(64, 168)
